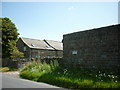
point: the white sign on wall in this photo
(74, 52)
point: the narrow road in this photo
(12, 82)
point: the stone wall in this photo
(96, 48)
(37, 53)
(21, 45)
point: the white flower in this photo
(113, 76)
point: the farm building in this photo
(33, 48)
(95, 48)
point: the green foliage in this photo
(9, 38)
(81, 78)
(34, 70)
(71, 77)
(16, 53)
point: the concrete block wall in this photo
(96, 48)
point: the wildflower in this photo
(100, 74)
(109, 75)
(104, 74)
(99, 71)
(113, 76)
(95, 75)
(65, 70)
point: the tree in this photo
(9, 39)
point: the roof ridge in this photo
(25, 42)
(32, 39)
(49, 44)
(53, 40)
(41, 40)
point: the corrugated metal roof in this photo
(41, 44)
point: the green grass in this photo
(7, 69)
(4, 69)
(70, 77)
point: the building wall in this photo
(21, 45)
(60, 53)
(97, 48)
(37, 53)
(46, 53)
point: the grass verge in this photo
(6, 69)
(70, 77)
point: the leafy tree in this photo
(9, 39)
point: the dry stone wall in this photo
(96, 48)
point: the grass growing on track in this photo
(70, 77)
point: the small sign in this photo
(74, 52)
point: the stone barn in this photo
(95, 48)
(38, 49)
